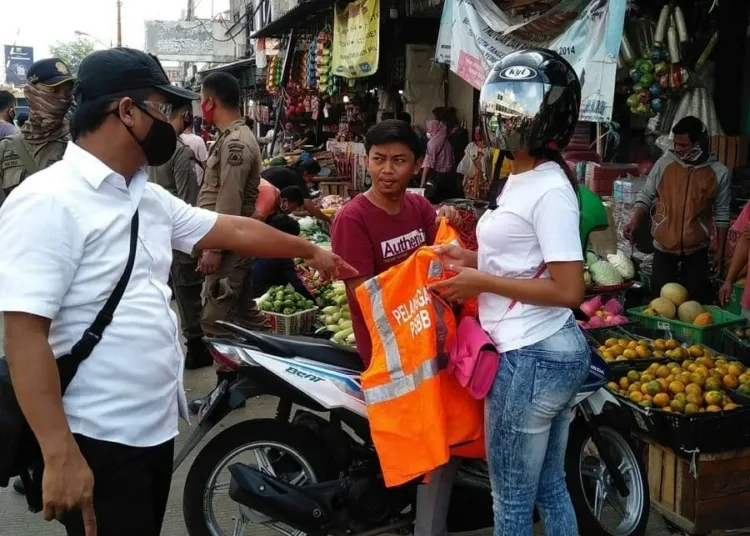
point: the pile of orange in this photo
(627, 349)
(694, 386)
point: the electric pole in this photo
(119, 23)
(190, 10)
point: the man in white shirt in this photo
(198, 146)
(65, 235)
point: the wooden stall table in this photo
(711, 496)
(332, 185)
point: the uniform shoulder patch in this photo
(235, 158)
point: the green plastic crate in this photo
(710, 336)
(735, 300)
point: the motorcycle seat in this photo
(320, 350)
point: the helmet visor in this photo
(511, 113)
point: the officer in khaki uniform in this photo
(230, 186)
(45, 135)
(178, 176)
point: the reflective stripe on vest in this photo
(402, 383)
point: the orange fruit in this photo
(630, 354)
(693, 389)
(730, 406)
(676, 387)
(730, 381)
(695, 351)
(678, 406)
(608, 356)
(636, 396)
(667, 409)
(664, 385)
(632, 345)
(647, 377)
(661, 400)
(744, 378)
(697, 379)
(695, 399)
(612, 386)
(671, 344)
(634, 375)
(643, 352)
(691, 408)
(624, 383)
(634, 387)
(609, 343)
(644, 388)
(660, 344)
(684, 378)
(687, 363)
(713, 384)
(616, 350)
(713, 409)
(662, 372)
(654, 388)
(713, 398)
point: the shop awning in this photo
(233, 66)
(294, 18)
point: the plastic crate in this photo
(736, 347)
(710, 336)
(295, 324)
(598, 336)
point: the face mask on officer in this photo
(160, 142)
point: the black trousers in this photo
(131, 488)
(691, 271)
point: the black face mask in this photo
(160, 142)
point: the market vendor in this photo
(685, 189)
(300, 175)
(268, 273)
(271, 200)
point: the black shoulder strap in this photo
(91, 337)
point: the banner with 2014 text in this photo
(474, 34)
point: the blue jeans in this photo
(528, 414)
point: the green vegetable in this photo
(343, 334)
(345, 323)
(331, 309)
(279, 296)
(334, 328)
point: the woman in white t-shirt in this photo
(528, 275)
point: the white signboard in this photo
(191, 40)
(474, 34)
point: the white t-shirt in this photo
(536, 222)
(200, 151)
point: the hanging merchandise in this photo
(273, 77)
(312, 70)
(323, 62)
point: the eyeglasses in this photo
(164, 108)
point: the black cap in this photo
(118, 70)
(49, 72)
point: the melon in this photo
(689, 311)
(663, 307)
(675, 293)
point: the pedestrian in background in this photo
(177, 176)
(230, 187)
(438, 177)
(7, 114)
(43, 138)
(196, 143)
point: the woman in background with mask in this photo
(475, 168)
(438, 177)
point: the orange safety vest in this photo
(418, 412)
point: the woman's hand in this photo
(467, 284)
(451, 214)
(457, 256)
(725, 292)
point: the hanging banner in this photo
(17, 62)
(474, 34)
(356, 39)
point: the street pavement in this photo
(15, 520)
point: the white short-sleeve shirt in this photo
(65, 237)
(536, 222)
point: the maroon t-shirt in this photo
(371, 240)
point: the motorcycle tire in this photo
(297, 438)
(587, 522)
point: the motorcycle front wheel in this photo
(600, 509)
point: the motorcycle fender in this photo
(598, 400)
(241, 390)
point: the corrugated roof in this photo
(293, 18)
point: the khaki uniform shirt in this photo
(12, 170)
(178, 175)
(230, 185)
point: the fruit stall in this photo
(684, 390)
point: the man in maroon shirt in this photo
(377, 230)
(383, 226)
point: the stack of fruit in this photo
(614, 350)
(673, 303)
(283, 300)
(694, 386)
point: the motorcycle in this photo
(315, 470)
